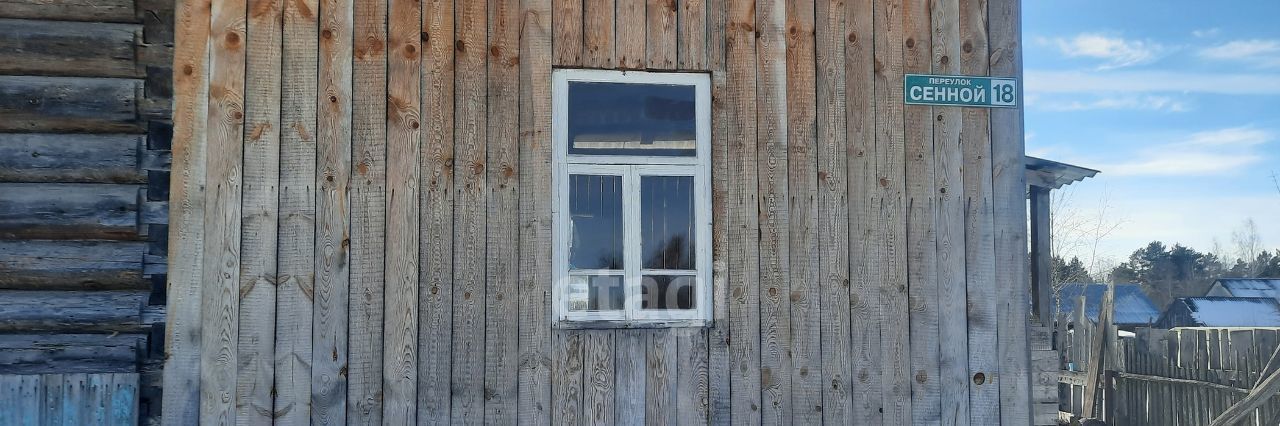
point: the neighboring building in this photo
(1132, 306)
(1221, 312)
(1245, 287)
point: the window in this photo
(632, 200)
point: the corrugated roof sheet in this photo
(1251, 287)
(1133, 307)
(1234, 311)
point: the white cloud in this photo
(1213, 152)
(1122, 102)
(1116, 52)
(1206, 32)
(1257, 51)
(1040, 82)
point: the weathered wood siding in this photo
(85, 100)
(864, 267)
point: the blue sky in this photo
(1176, 102)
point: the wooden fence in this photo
(1185, 376)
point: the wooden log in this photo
(742, 220)
(330, 317)
(502, 258)
(69, 104)
(69, 211)
(803, 278)
(70, 353)
(567, 44)
(692, 34)
(435, 274)
(832, 156)
(220, 301)
(70, 10)
(255, 374)
(57, 265)
(534, 406)
(597, 34)
(470, 208)
(40, 157)
(629, 34)
(774, 250)
(661, 42)
(105, 311)
(375, 375)
(89, 49)
(186, 237)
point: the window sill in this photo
(633, 324)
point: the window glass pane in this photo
(632, 119)
(595, 293)
(667, 292)
(595, 222)
(666, 222)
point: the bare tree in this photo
(1080, 232)
(1248, 244)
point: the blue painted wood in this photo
(69, 399)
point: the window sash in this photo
(631, 168)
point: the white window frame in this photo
(631, 168)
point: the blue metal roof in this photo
(1251, 287)
(1132, 306)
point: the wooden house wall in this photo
(362, 220)
(85, 98)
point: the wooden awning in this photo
(1053, 175)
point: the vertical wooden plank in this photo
(718, 358)
(921, 226)
(333, 215)
(597, 33)
(469, 213)
(186, 209)
(629, 34)
(692, 34)
(802, 188)
(403, 156)
(660, 30)
(255, 376)
(833, 278)
(503, 187)
(1041, 252)
(566, 392)
(1009, 183)
(948, 179)
(630, 359)
(51, 408)
(660, 377)
(435, 274)
(534, 404)
(741, 207)
(975, 140)
(598, 375)
(891, 268)
(865, 311)
(771, 165)
(296, 250)
(124, 399)
(21, 399)
(223, 179)
(371, 253)
(691, 376)
(567, 45)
